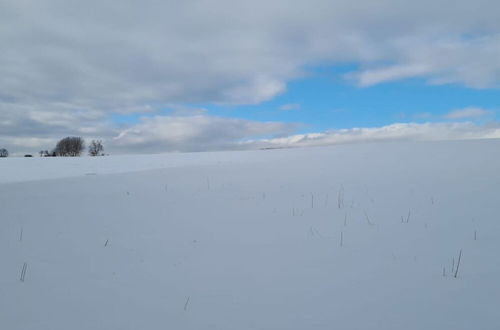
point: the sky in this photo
(159, 76)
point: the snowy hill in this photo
(361, 236)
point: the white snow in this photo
(252, 240)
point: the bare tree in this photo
(70, 146)
(4, 153)
(96, 148)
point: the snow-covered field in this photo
(361, 237)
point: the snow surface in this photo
(344, 237)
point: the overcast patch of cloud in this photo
(147, 53)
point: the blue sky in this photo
(324, 99)
(329, 102)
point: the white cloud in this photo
(372, 77)
(394, 132)
(194, 133)
(216, 133)
(466, 113)
(440, 59)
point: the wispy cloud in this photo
(423, 115)
(372, 77)
(290, 106)
(468, 113)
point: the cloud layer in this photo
(202, 132)
(65, 65)
(393, 132)
(195, 133)
(95, 54)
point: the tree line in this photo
(71, 146)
